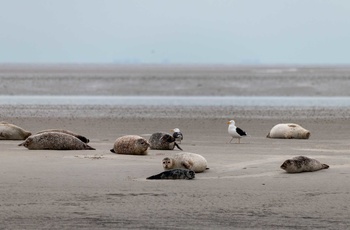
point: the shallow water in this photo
(178, 100)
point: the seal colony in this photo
(302, 164)
(186, 160)
(130, 144)
(54, 141)
(173, 175)
(12, 132)
(163, 141)
(288, 131)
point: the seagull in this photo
(177, 135)
(235, 132)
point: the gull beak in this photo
(228, 122)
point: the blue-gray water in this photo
(178, 101)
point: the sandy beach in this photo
(243, 189)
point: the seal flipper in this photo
(87, 147)
(187, 164)
(155, 177)
(112, 150)
(324, 166)
(21, 144)
(178, 146)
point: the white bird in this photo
(177, 135)
(235, 132)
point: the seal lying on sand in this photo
(80, 137)
(163, 141)
(130, 144)
(289, 131)
(185, 160)
(55, 141)
(174, 174)
(302, 164)
(12, 132)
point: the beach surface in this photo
(244, 187)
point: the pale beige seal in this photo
(302, 164)
(288, 131)
(130, 144)
(186, 160)
(54, 141)
(12, 132)
(80, 137)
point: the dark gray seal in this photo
(162, 141)
(174, 174)
(80, 137)
(302, 164)
(54, 141)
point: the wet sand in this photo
(243, 189)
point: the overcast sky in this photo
(175, 31)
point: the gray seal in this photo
(174, 174)
(12, 132)
(80, 137)
(130, 144)
(163, 141)
(302, 164)
(54, 141)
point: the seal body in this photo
(186, 160)
(288, 131)
(80, 137)
(12, 132)
(302, 164)
(55, 141)
(162, 141)
(130, 144)
(174, 174)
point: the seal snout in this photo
(307, 135)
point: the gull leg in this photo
(230, 140)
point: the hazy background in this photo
(158, 31)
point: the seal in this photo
(12, 132)
(186, 160)
(163, 141)
(235, 132)
(177, 134)
(174, 174)
(302, 164)
(288, 131)
(80, 137)
(130, 144)
(54, 141)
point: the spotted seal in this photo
(130, 144)
(186, 160)
(54, 141)
(163, 141)
(288, 131)
(302, 164)
(174, 174)
(80, 137)
(12, 132)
